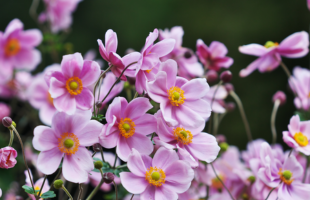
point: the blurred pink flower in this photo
(37, 185)
(180, 100)
(213, 57)
(188, 65)
(17, 49)
(162, 177)
(7, 157)
(5, 110)
(68, 87)
(67, 138)
(196, 191)
(0, 192)
(58, 13)
(308, 4)
(294, 46)
(218, 103)
(128, 126)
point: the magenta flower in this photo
(180, 100)
(298, 135)
(299, 84)
(201, 146)
(59, 13)
(68, 88)
(7, 157)
(162, 177)
(218, 103)
(110, 45)
(213, 57)
(67, 139)
(17, 49)
(149, 62)
(5, 110)
(188, 64)
(287, 176)
(128, 126)
(294, 46)
(37, 185)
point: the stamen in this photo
(176, 96)
(155, 176)
(74, 85)
(126, 127)
(301, 139)
(68, 143)
(50, 99)
(271, 44)
(12, 47)
(182, 135)
(286, 176)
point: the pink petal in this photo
(44, 138)
(140, 82)
(146, 124)
(164, 157)
(295, 45)
(111, 41)
(294, 166)
(89, 134)
(56, 74)
(116, 108)
(218, 49)
(179, 82)
(131, 58)
(187, 117)
(137, 107)
(164, 132)
(57, 88)
(251, 67)
(171, 68)
(71, 65)
(30, 38)
(149, 193)
(46, 114)
(195, 89)
(122, 149)
(141, 143)
(14, 25)
(85, 99)
(27, 59)
(164, 193)
(166, 109)
(149, 61)
(102, 50)
(163, 47)
(65, 103)
(48, 161)
(135, 164)
(108, 141)
(196, 106)
(270, 62)
(150, 39)
(157, 89)
(90, 72)
(293, 127)
(253, 49)
(134, 184)
(296, 191)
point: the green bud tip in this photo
(126, 85)
(14, 124)
(126, 127)
(224, 146)
(287, 174)
(155, 176)
(68, 143)
(98, 164)
(252, 179)
(58, 184)
(176, 96)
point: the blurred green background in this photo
(234, 23)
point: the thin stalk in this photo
(22, 146)
(117, 81)
(207, 197)
(80, 191)
(68, 193)
(42, 185)
(11, 138)
(93, 154)
(92, 194)
(152, 136)
(284, 67)
(244, 118)
(121, 166)
(136, 95)
(273, 120)
(221, 117)
(222, 182)
(210, 118)
(132, 196)
(115, 160)
(128, 93)
(215, 123)
(270, 193)
(33, 9)
(115, 186)
(290, 153)
(101, 151)
(56, 177)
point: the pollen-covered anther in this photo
(12, 47)
(68, 143)
(50, 99)
(155, 176)
(182, 135)
(301, 139)
(271, 44)
(126, 127)
(176, 96)
(74, 85)
(286, 176)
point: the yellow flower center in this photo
(286, 176)
(68, 143)
(216, 183)
(271, 44)
(182, 135)
(12, 47)
(74, 85)
(50, 99)
(126, 127)
(176, 96)
(301, 139)
(37, 188)
(155, 176)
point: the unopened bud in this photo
(230, 106)
(108, 177)
(229, 87)
(224, 146)
(126, 85)
(220, 138)
(97, 147)
(7, 121)
(226, 76)
(188, 54)
(98, 164)
(58, 184)
(245, 196)
(279, 95)
(98, 104)
(252, 179)
(211, 76)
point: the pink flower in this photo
(17, 49)
(58, 13)
(188, 64)
(180, 100)
(218, 103)
(298, 135)
(294, 46)
(213, 57)
(159, 178)
(299, 84)
(67, 138)
(308, 4)
(0, 192)
(37, 185)
(149, 62)
(128, 126)
(40, 98)
(95, 177)
(286, 176)
(201, 146)
(7, 157)
(5, 110)
(68, 87)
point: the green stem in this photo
(56, 177)
(101, 151)
(11, 138)
(92, 194)
(273, 120)
(210, 118)
(115, 160)
(80, 191)
(121, 166)
(215, 123)
(136, 95)
(270, 193)
(307, 166)
(132, 196)
(42, 185)
(284, 67)
(115, 186)
(68, 193)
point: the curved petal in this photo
(131, 58)
(195, 89)
(196, 106)
(253, 49)
(85, 99)
(164, 132)
(251, 67)
(157, 89)
(146, 124)
(295, 45)
(111, 41)
(57, 88)
(122, 149)
(141, 82)
(134, 184)
(71, 65)
(218, 49)
(137, 107)
(103, 51)
(65, 103)
(149, 193)
(135, 164)
(163, 193)
(141, 143)
(108, 141)
(116, 108)
(187, 117)
(48, 161)
(163, 47)
(294, 166)
(170, 67)
(164, 157)
(30, 38)
(44, 138)
(90, 72)
(89, 134)
(27, 59)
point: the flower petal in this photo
(253, 49)
(27, 59)
(195, 89)
(44, 138)
(137, 107)
(65, 103)
(163, 47)
(48, 161)
(163, 193)
(90, 72)
(157, 89)
(135, 164)
(146, 124)
(71, 65)
(170, 67)
(164, 157)
(134, 184)
(85, 99)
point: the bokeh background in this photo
(233, 23)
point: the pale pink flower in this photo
(294, 46)
(8, 157)
(5, 110)
(59, 13)
(67, 139)
(128, 126)
(68, 87)
(37, 185)
(17, 49)
(162, 177)
(181, 101)
(308, 4)
(213, 57)
(188, 65)
(298, 135)
(0, 192)
(217, 94)
(149, 62)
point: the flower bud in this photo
(224, 146)
(211, 76)
(97, 147)
(245, 196)
(230, 106)
(108, 177)
(98, 164)
(131, 80)
(126, 85)
(220, 138)
(188, 54)
(252, 179)
(8, 157)
(226, 76)
(229, 87)
(6, 121)
(58, 184)
(98, 104)
(279, 95)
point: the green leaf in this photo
(99, 117)
(304, 116)
(48, 194)
(28, 189)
